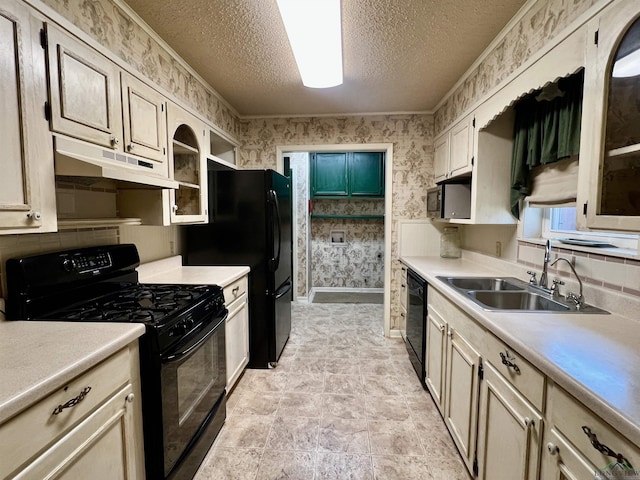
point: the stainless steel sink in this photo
(483, 283)
(522, 300)
(512, 294)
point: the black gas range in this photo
(182, 353)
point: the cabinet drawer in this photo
(31, 431)
(235, 290)
(569, 416)
(520, 373)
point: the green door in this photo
(329, 174)
(366, 174)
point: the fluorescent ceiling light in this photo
(627, 66)
(315, 34)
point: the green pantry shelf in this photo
(356, 217)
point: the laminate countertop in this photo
(595, 357)
(36, 358)
(171, 270)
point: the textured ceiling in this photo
(399, 55)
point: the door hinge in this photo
(47, 111)
(44, 41)
(584, 208)
(480, 371)
(475, 466)
(596, 37)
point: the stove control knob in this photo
(69, 264)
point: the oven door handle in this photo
(190, 347)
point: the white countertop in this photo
(36, 358)
(170, 270)
(595, 357)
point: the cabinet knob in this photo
(449, 333)
(114, 141)
(529, 423)
(130, 146)
(130, 398)
(36, 216)
(552, 448)
(174, 208)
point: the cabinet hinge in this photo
(44, 41)
(473, 159)
(595, 37)
(584, 208)
(475, 466)
(164, 151)
(480, 371)
(162, 107)
(47, 111)
(474, 122)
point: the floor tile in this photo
(256, 404)
(344, 436)
(397, 467)
(230, 464)
(343, 406)
(343, 384)
(277, 465)
(337, 466)
(449, 469)
(394, 438)
(297, 433)
(245, 431)
(305, 382)
(300, 405)
(387, 408)
(381, 385)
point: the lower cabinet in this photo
(436, 357)
(90, 427)
(509, 431)
(236, 330)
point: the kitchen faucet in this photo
(547, 258)
(570, 296)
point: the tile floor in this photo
(343, 403)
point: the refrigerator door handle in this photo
(283, 289)
(275, 261)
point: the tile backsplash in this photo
(597, 269)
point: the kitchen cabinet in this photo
(436, 360)
(454, 150)
(91, 427)
(237, 330)
(610, 149)
(221, 149)
(403, 303)
(90, 101)
(187, 164)
(347, 174)
(509, 430)
(568, 449)
(27, 190)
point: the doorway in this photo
(302, 227)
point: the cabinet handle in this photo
(529, 423)
(508, 360)
(402, 314)
(73, 402)
(552, 448)
(235, 290)
(602, 448)
(114, 141)
(402, 285)
(36, 216)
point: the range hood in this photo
(75, 158)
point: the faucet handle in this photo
(554, 288)
(533, 276)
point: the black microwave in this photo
(449, 200)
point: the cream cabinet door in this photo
(102, 447)
(461, 158)
(84, 88)
(509, 431)
(436, 356)
(145, 119)
(27, 192)
(461, 398)
(441, 158)
(561, 461)
(237, 344)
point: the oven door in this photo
(193, 375)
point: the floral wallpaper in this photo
(113, 28)
(538, 26)
(412, 169)
(299, 162)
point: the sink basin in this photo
(519, 300)
(482, 283)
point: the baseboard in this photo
(395, 334)
(302, 300)
(344, 289)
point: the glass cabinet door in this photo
(612, 133)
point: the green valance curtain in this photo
(547, 129)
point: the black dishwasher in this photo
(416, 322)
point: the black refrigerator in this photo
(250, 224)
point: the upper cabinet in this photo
(454, 150)
(187, 164)
(611, 136)
(27, 192)
(347, 174)
(90, 101)
(221, 150)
